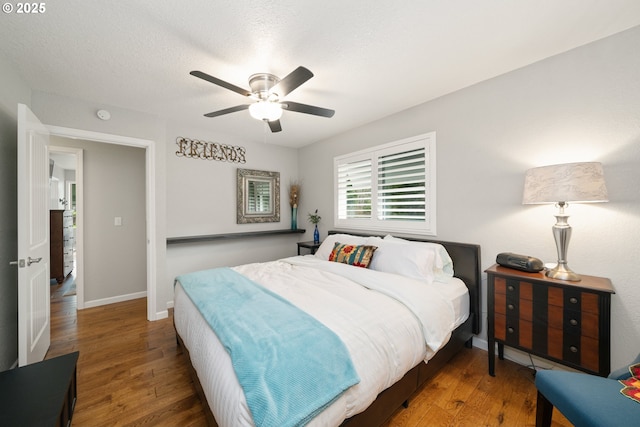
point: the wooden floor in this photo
(131, 373)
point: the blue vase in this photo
(294, 218)
(316, 235)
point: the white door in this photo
(34, 320)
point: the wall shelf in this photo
(244, 235)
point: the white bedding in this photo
(384, 337)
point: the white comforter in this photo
(386, 337)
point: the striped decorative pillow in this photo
(356, 255)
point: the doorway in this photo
(150, 229)
(65, 178)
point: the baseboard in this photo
(520, 357)
(112, 300)
(480, 343)
(162, 315)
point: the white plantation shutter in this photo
(389, 187)
(401, 186)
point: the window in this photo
(390, 187)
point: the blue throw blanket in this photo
(261, 331)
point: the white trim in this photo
(99, 136)
(113, 300)
(150, 168)
(427, 227)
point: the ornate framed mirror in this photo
(258, 196)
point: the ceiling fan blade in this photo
(308, 109)
(292, 81)
(217, 81)
(227, 110)
(275, 126)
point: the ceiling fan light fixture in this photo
(269, 91)
(265, 110)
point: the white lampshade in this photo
(265, 110)
(569, 182)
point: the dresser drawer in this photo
(513, 312)
(573, 321)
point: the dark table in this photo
(41, 394)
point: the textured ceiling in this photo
(370, 58)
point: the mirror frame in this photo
(243, 215)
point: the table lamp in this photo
(561, 184)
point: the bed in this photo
(421, 340)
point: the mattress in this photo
(456, 292)
(388, 323)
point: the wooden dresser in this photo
(566, 322)
(62, 242)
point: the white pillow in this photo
(420, 260)
(326, 247)
(406, 260)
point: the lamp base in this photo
(562, 272)
(562, 234)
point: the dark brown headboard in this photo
(466, 265)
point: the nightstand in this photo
(313, 247)
(40, 394)
(566, 322)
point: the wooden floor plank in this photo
(132, 373)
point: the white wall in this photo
(582, 105)
(202, 201)
(13, 90)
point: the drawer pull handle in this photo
(510, 287)
(510, 330)
(573, 349)
(510, 307)
(573, 300)
(573, 322)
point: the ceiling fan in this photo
(268, 91)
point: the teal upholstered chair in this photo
(586, 400)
